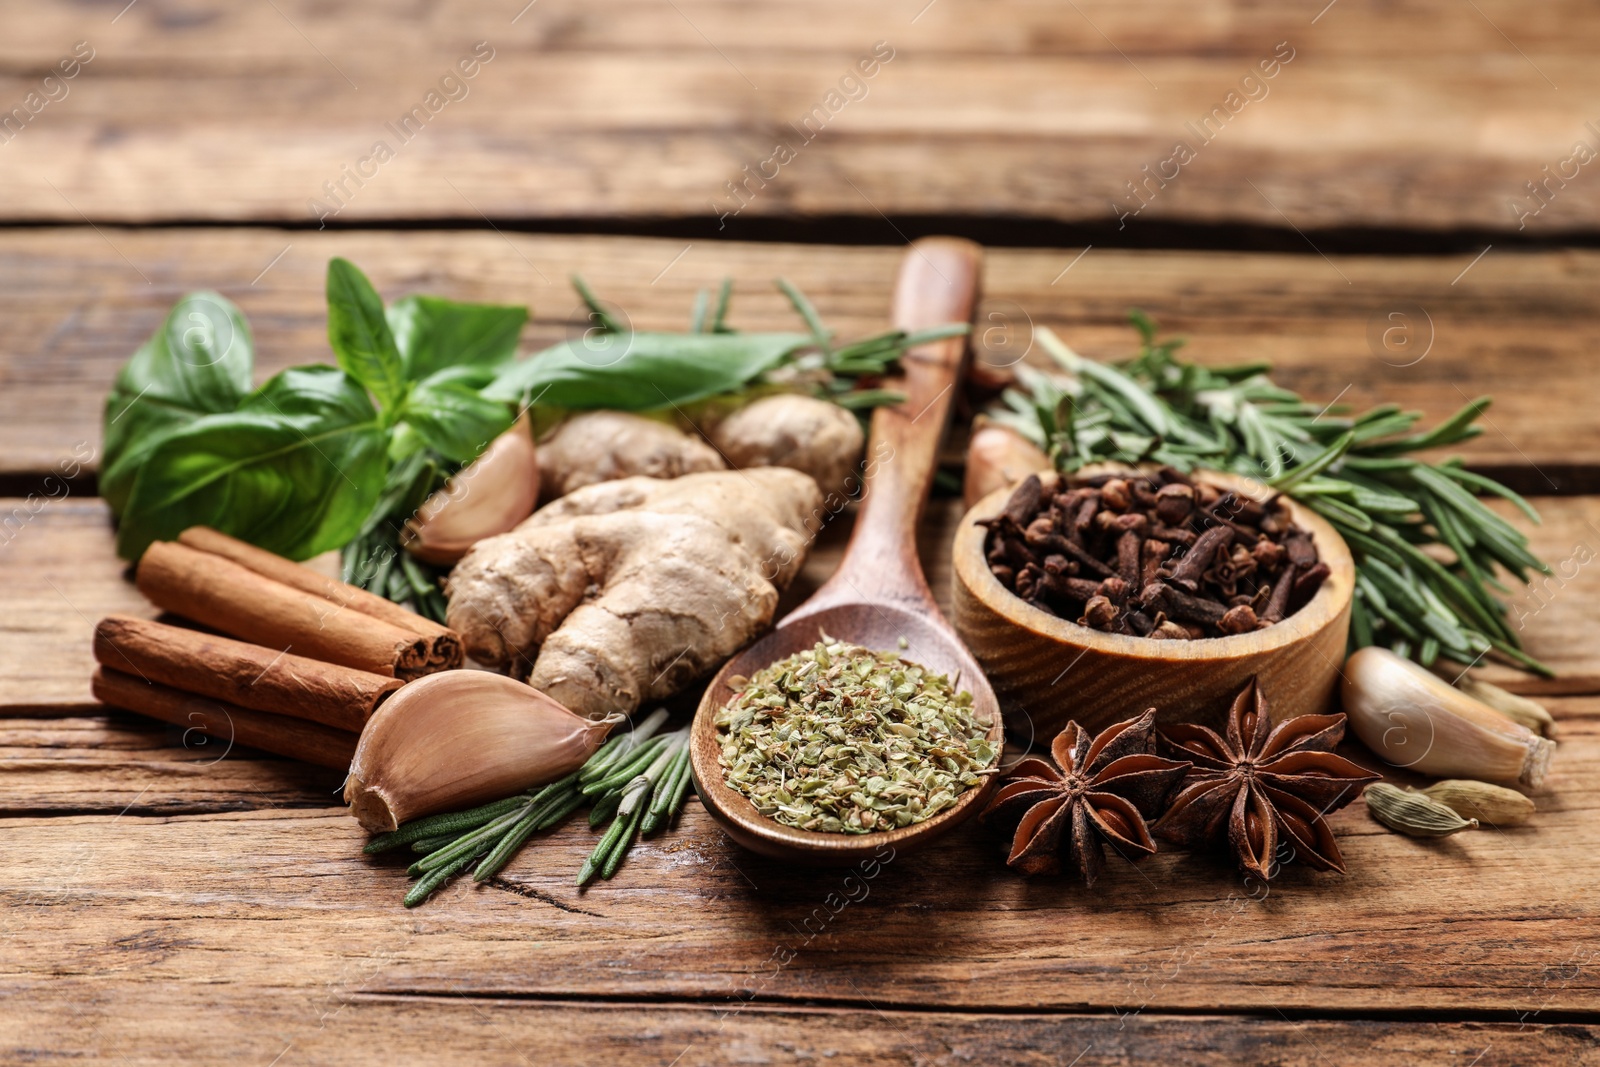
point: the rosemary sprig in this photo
(637, 781)
(1395, 511)
(374, 558)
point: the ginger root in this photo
(601, 446)
(790, 430)
(629, 590)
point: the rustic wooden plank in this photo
(278, 900)
(74, 304)
(62, 575)
(627, 108)
(117, 1021)
(121, 763)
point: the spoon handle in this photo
(938, 284)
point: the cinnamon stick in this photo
(444, 644)
(229, 723)
(251, 676)
(246, 604)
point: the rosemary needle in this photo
(433, 825)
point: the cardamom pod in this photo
(1493, 804)
(1413, 813)
(1519, 710)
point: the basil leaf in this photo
(197, 363)
(639, 371)
(433, 334)
(455, 419)
(296, 470)
(360, 335)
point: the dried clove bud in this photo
(1184, 556)
(1099, 614)
(1174, 503)
(1238, 620)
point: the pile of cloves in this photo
(1157, 555)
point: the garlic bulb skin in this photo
(488, 496)
(1412, 719)
(461, 738)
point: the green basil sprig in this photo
(296, 465)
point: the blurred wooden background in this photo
(1391, 200)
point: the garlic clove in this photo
(460, 738)
(489, 496)
(1410, 718)
(998, 457)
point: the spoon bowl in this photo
(875, 626)
(878, 597)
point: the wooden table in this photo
(165, 904)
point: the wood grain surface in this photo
(75, 303)
(1421, 115)
(281, 899)
(345, 1024)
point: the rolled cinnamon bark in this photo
(221, 594)
(444, 644)
(251, 676)
(296, 738)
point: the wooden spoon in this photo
(878, 595)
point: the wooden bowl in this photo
(1047, 670)
(930, 643)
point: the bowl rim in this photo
(971, 570)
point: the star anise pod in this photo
(1095, 792)
(1261, 784)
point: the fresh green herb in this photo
(612, 367)
(297, 465)
(1394, 511)
(637, 781)
(843, 739)
(197, 364)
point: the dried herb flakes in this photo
(843, 739)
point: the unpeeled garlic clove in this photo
(488, 496)
(461, 738)
(998, 457)
(1412, 719)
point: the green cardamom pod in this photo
(1412, 813)
(1493, 804)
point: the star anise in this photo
(1095, 792)
(1262, 783)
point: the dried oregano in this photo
(843, 739)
